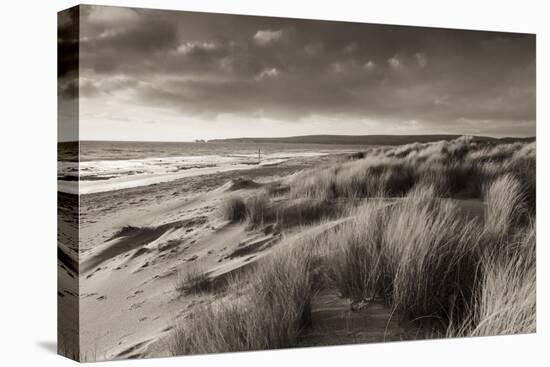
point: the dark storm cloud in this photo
(209, 64)
(67, 53)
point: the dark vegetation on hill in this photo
(366, 139)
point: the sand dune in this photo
(138, 244)
(129, 267)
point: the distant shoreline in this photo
(121, 176)
(330, 139)
(366, 139)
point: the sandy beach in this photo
(133, 243)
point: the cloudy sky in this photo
(165, 75)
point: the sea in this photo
(115, 165)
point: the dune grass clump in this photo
(418, 255)
(271, 314)
(192, 279)
(428, 262)
(462, 178)
(369, 177)
(277, 189)
(357, 265)
(505, 301)
(213, 328)
(523, 166)
(254, 209)
(129, 230)
(259, 210)
(454, 168)
(505, 207)
(433, 252)
(234, 209)
(304, 212)
(505, 295)
(319, 185)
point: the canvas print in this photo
(232, 183)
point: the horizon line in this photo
(295, 136)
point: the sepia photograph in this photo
(231, 183)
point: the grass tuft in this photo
(506, 299)
(193, 279)
(234, 209)
(270, 315)
(505, 206)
